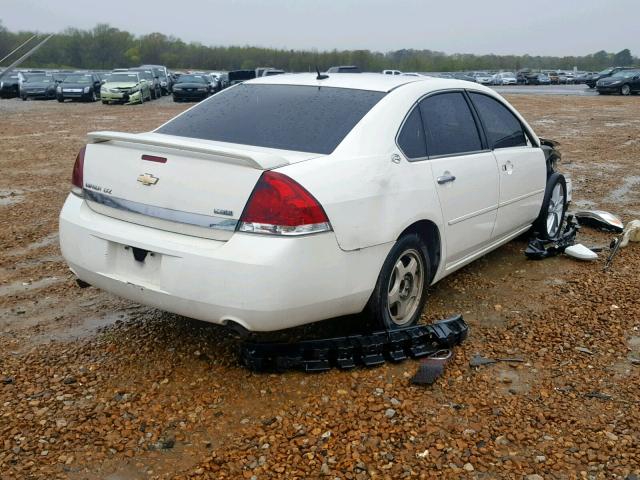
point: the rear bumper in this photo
(262, 283)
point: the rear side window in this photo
(449, 125)
(502, 127)
(411, 136)
(288, 117)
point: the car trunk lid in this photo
(189, 186)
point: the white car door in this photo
(466, 174)
(522, 166)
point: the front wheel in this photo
(554, 207)
(401, 290)
(625, 90)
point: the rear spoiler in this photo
(257, 160)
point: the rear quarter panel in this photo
(368, 198)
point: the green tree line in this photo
(106, 47)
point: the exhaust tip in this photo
(82, 283)
(237, 329)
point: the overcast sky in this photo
(537, 27)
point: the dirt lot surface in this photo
(95, 387)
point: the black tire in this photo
(105, 102)
(61, 99)
(541, 225)
(378, 305)
(24, 98)
(625, 90)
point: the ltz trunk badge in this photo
(147, 179)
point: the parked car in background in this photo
(38, 86)
(125, 87)
(260, 71)
(483, 78)
(150, 76)
(165, 79)
(522, 77)
(553, 76)
(79, 86)
(463, 76)
(593, 80)
(10, 86)
(272, 71)
(191, 87)
(539, 79)
(581, 77)
(239, 76)
(624, 82)
(344, 69)
(263, 207)
(392, 72)
(504, 78)
(224, 80)
(214, 82)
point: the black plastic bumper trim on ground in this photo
(351, 351)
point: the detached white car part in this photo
(290, 199)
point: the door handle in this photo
(446, 179)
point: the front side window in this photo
(502, 127)
(288, 117)
(411, 136)
(449, 125)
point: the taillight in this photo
(280, 206)
(77, 177)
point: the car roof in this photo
(377, 82)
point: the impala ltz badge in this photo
(147, 179)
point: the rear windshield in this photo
(288, 117)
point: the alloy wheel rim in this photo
(556, 209)
(404, 291)
(626, 90)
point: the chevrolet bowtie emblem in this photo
(147, 179)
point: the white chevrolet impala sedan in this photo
(295, 198)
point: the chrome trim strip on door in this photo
(521, 197)
(188, 218)
(472, 214)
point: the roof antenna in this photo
(320, 76)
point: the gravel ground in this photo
(95, 387)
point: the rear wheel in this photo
(554, 207)
(625, 90)
(400, 292)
